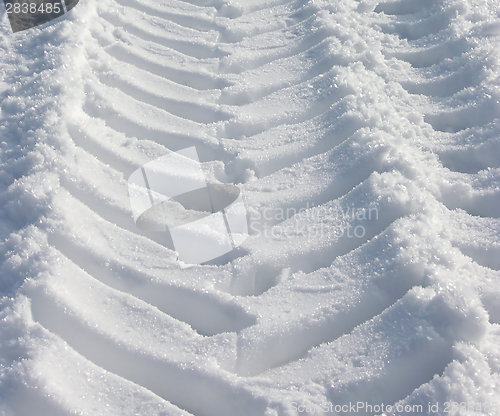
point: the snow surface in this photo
(365, 139)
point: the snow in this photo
(361, 137)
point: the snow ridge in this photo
(365, 139)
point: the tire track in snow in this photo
(209, 96)
(294, 340)
(464, 105)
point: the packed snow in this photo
(364, 140)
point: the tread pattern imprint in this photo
(392, 107)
